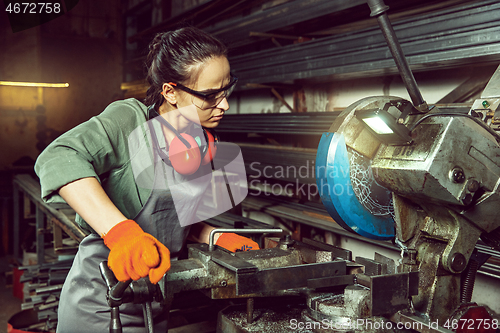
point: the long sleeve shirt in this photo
(97, 148)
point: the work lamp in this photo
(384, 125)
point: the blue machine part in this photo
(337, 194)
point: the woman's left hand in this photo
(234, 243)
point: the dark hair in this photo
(175, 56)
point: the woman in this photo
(133, 226)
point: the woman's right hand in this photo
(135, 254)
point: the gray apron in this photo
(83, 306)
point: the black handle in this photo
(141, 292)
(116, 293)
(148, 317)
(115, 325)
(116, 289)
(378, 10)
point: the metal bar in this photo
(49, 289)
(388, 263)
(230, 219)
(232, 263)
(250, 307)
(40, 236)
(449, 37)
(270, 35)
(306, 123)
(274, 279)
(379, 10)
(372, 267)
(148, 317)
(341, 280)
(57, 232)
(27, 208)
(286, 14)
(449, 22)
(337, 251)
(392, 292)
(165, 25)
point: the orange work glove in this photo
(234, 242)
(135, 254)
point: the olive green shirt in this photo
(97, 148)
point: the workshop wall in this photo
(82, 48)
(20, 62)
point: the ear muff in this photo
(212, 139)
(184, 160)
(186, 153)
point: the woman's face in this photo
(214, 75)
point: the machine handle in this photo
(116, 289)
(378, 10)
(116, 293)
(148, 317)
(211, 245)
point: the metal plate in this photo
(292, 277)
(391, 293)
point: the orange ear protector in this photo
(211, 138)
(186, 153)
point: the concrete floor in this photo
(9, 305)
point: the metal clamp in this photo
(211, 245)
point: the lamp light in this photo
(377, 125)
(384, 125)
(34, 84)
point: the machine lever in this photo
(148, 317)
(116, 289)
(115, 296)
(379, 9)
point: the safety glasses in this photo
(208, 100)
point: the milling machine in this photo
(428, 179)
(388, 169)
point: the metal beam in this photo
(282, 278)
(467, 34)
(291, 12)
(303, 123)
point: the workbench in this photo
(50, 218)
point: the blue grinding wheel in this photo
(333, 178)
